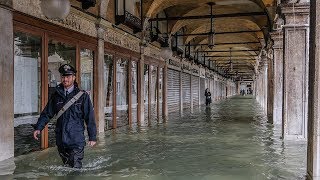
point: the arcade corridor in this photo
(143, 61)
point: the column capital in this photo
(295, 14)
(102, 25)
(277, 38)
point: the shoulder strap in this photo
(68, 104)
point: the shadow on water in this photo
(229, 140)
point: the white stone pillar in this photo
(199, 91)
(165, 92)
(140, 115)
(181, 91)
(313, 159)
(295, 75)
(265, 86)
(99, 99)
(277, 38)
(6, 79)
(270, 85)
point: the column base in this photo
(7, 167)
(310, 177)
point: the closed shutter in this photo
(202, 89)
(195, 90)
(173, 98)
(186, 90)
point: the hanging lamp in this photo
(231, 65)
(55, 9)
(211, 33)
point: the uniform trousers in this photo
(72, 156)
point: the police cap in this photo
(66, 70)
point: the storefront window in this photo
(27, 77)
(59, 54)
(86, 65)
(108, 81)
(134, 90)
(146, 90)
(122, 92)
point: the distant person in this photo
(208, 96)
(243, 92)
(72, 108)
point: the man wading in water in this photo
(72, 108)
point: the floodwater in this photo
(231, 140)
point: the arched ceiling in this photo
(241, 25)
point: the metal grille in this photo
(173, 90)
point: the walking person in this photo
(73, 109)
(208, 96)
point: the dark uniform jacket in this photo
(70, 125)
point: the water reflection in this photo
(230, 140)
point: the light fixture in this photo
(166, 53)
(55, 9)
(211, 33)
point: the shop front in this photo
(40, 48)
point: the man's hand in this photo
(35, 134)
(92, 143)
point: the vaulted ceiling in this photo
(242, 25)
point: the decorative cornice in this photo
(152, 51)
(76, 20)
(122, 39)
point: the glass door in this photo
(59, 53)
(122, 91)
(108, 82)
(86, 71)
(28, 89)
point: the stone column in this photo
(165, 92)
(99, 80)
(191, 93)
(140, 92)
(6, 77)
(265, 86)
(199, 91)
(277, 38)
(313, 157)
(254, 85)
(214, 89)
(258, 85)
(181, 91)
(296, 65)
(270, 86)
(238, 87)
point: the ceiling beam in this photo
(205, 34)
(236, 60)
(229, 43)
(252, 50)
(232, 56)
(209, 16)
